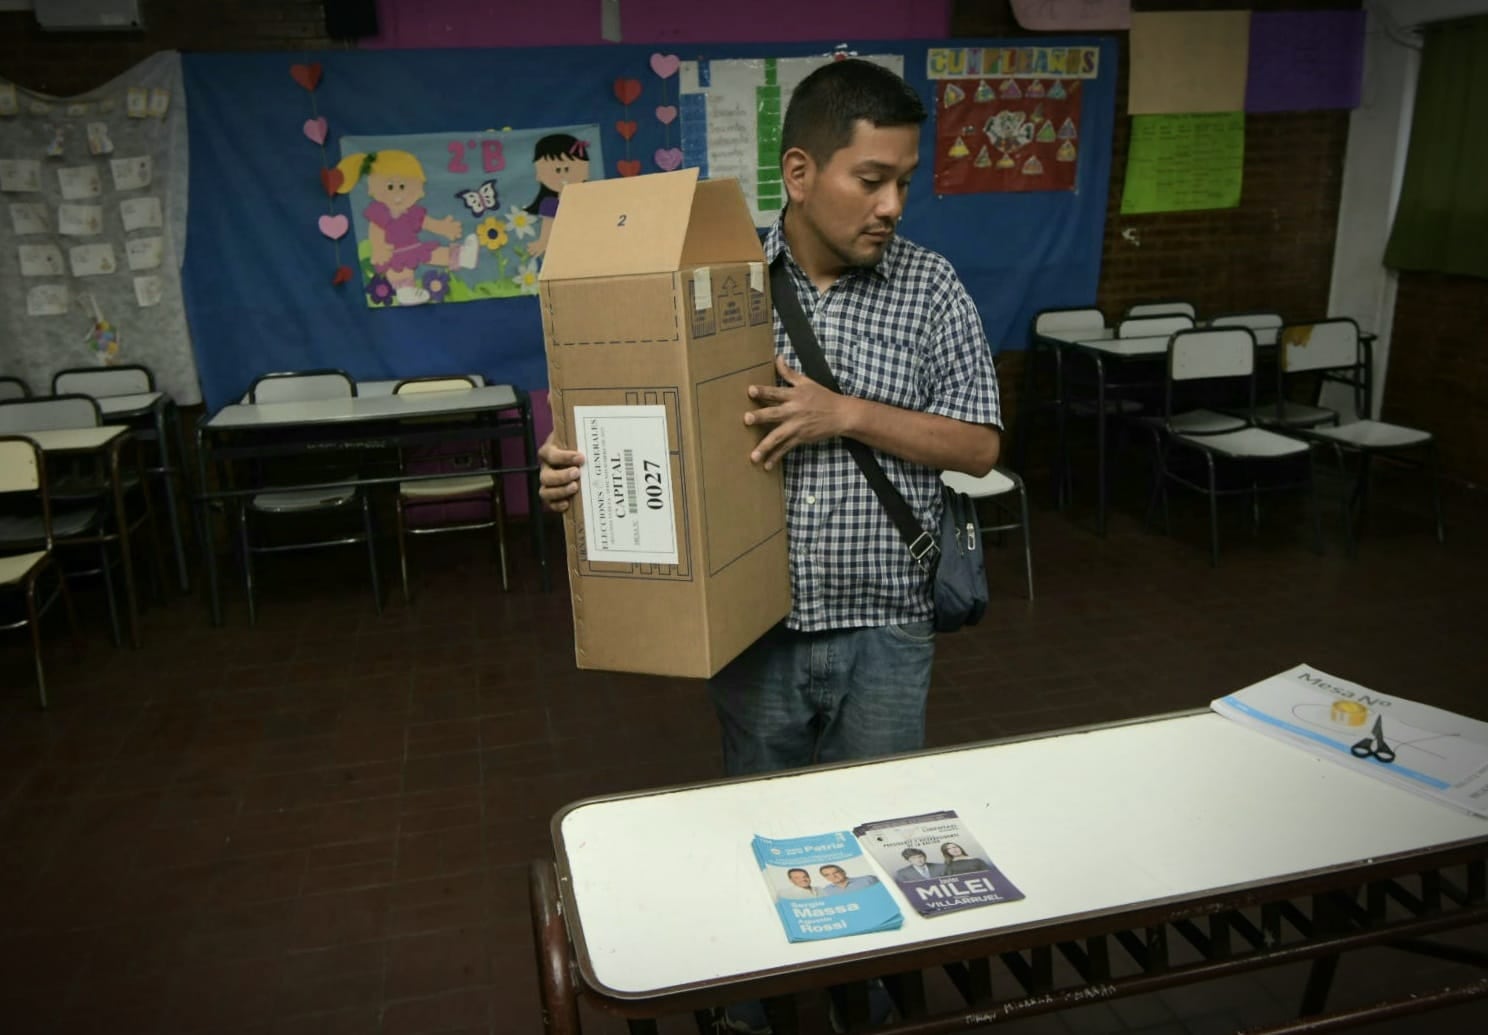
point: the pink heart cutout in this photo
(665, 65)
(335, 227)
(668, 158)
(666, 114)
(315, 129)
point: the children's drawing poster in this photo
(459, 217)
(1008, 119)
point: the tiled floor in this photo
(321, 825)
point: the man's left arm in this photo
(959, 431)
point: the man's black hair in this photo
(828, 103)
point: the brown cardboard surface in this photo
(625, 329)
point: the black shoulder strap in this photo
(922, 545)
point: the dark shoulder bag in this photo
(956, 559)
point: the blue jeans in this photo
(793, 698)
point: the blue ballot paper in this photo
(824, 887)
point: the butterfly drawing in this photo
(480, 200)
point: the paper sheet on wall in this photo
(1305, 60)
(1178, 163)
(20, 175)
(1072, 15)
(41, 260)
(79, 220)
(80, 182)
(1188, 61)
(28, 217)
(731, 116)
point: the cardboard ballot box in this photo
(656, 315)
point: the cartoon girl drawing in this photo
(396, 221)
(558, 160)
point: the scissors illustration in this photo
(1375, 747)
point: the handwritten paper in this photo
(148, 291)
(92, 260)
(79, 220)
(28, 217)
(1178, 163)
(1188, 61)
(1072, 15)
(47, 300)
(144, 253)
(80, 182)
(99, 142)
(1305, 60)
(19, 175)
(131, 173)
(141, 213)
(41, 260)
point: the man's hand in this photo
(558, 475)
(802, 412)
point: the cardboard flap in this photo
(721, 228)
(634, 224)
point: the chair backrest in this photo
(1211, 353)
(1061, 323)
(1255, 321)
(302, 386)
(1167, 307)
(101, 382)
(51, 413)
(1325, 345)
(20, 464)
(13, 388)
(459, 383)
(1153, 326)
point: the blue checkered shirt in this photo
(904, 333)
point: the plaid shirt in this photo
(904, 333)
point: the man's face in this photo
(800, 878)
(835, 874)
(853, 202)
(917, 858)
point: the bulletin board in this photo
(259, 272)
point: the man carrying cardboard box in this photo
(846, 675)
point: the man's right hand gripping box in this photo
(656, 316)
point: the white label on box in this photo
(756, 276)
(702, 289)
(626, 484)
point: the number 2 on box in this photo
(652, 474)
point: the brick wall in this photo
(1438, 375)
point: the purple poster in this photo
(1305, 60)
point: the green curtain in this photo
(1442, 221)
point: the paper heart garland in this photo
(665, 65)
(331, 180)
(315, 129)
(668, 158)
(629, 167)
(343, 274)
(666, 114)
(626, 129)
(334, 227)
(627, 90)
(307, 76)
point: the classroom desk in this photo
(247, 431)
(1152, 853)
(109, 440)
(160, 409)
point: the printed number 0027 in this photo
(651, 472)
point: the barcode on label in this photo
(628, 461)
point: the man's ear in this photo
(797, 169)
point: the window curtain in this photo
(1442, 222)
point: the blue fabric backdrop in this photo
(257, 276)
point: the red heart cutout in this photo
(331, 180)
(628, 167)
(626, 129)
(307, 76)
(343, 274)
(627, 90)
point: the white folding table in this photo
(1178, 829)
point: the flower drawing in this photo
(527, 277)
(492, 233)
(523, 224)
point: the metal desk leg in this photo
(126, 551)
(560, 1005)
(204, 528)
(1100, 446)
(534, 501)
(165, 425)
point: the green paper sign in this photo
(1180, 163)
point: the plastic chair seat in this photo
(1113, 406)
(1247, 443)
(1296, 415)
(74, 486)
(287, 501)
(29, 529)
(1201, 422)
(1373, 434)
(15, 568)
(441, 488)
(993, 483)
